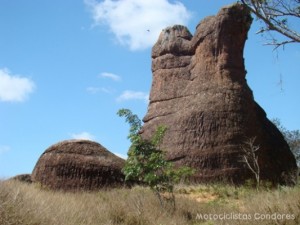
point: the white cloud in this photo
(121, 155)
(14, 88)
(133, 95)
(137, 23)
(107, 90)
(83, 136)
(95, 90)
(4, 149)
(112, 76)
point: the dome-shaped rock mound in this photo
(78, 165)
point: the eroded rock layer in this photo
(78, 165)
(200, 93)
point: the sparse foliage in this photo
(292, 137)
(250, 157)
(134, 122)
(277, 16)
(146, 162)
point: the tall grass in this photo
(28, 204)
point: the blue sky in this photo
(66, 67)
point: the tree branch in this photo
(270, 14)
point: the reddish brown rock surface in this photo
(78, 165)
(200, 93)
(26, 178)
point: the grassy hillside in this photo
(28, 204)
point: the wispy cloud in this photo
(111, 76)
(83, 136)
(95, 90)
(121, 155)
(133, 95)
(137, 23)
(107, 90)
(4, 149)
(14, 88)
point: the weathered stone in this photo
(78, 164)
(26, 178)
(200, 93)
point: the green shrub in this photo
(146, 162)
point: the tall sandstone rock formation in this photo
(200, 93)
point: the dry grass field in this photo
(29, 204)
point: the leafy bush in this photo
(146, 162)
(292, 137)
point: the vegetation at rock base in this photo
(292, 137)
(28, 204)
(146, 163)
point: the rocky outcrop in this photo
(25, 178)
(78, 165)
(200, 93)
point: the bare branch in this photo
(250, 157)
(249, 165)
(276, 14)
(277, 45)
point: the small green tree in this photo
(146, 163)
